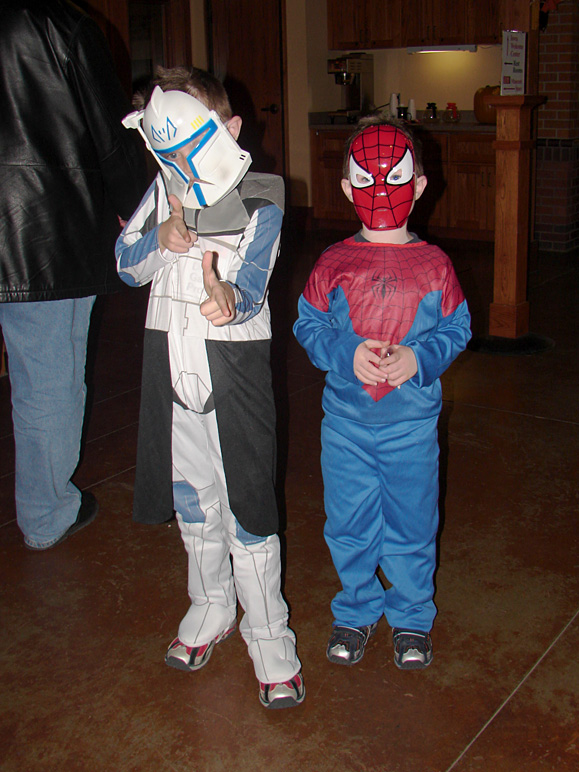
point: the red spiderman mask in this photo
(382, 177)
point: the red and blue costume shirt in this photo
(407, 294)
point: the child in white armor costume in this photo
(206, 235)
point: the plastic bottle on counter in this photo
(411, 110)
(451, 114)
(394, 102)
(430, 115)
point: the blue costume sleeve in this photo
(328, 348)
(435, 354)
(258, 250)
(137, 248)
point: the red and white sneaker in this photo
(286, 694)
(185, 657)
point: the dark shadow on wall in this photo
(253, 128)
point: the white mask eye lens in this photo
(359, 178)
(403, 171)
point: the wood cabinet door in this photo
(251, 66)
(471, 197)
(448, 22)
(346, 24)
(356, 24)
(416, 22)
(433, 22)
(328, 199)
(383, 24)
(482, 22)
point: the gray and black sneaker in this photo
(346, 645)
(184, 657)
(286, 694)
(412, 649)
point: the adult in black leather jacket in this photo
(67, 165)
(68, 170)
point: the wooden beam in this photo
(509, 311)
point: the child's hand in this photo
(399, 365)
(219, 308)
(173, 233)
(367, 360)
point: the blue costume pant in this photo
(46, 344)
(381, 500)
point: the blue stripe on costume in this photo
(130, 259)
(253, 276)
(186, 502)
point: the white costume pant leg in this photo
(257, 575)
(210, 581)
(211, 534)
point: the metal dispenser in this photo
(355, 73)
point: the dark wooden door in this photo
(247, 54)
(125, 22)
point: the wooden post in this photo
(509, 311)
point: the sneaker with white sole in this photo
(184, 657)
(347, 644)
(412, 649)
(286, 694)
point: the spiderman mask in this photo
(382, 177)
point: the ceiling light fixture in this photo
(439, 49)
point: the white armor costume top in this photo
(177, 280)
(247, 251)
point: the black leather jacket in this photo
(67, 165)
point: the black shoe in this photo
(89, 507)
(412, 649)
(347, 644)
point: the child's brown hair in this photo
(198, 83)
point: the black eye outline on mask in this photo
(399, 175)
(404, 168)
(357, 171)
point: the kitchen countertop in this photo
(467, 123)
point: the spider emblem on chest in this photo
(383, 285)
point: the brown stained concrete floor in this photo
(84, 627)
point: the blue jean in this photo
(46, 345)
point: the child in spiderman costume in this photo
(383, 313)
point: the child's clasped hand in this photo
(378, 361)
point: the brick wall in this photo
(557, 170)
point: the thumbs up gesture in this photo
(219, 308)
(173, 233)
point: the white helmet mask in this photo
(174, 120)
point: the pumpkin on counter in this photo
(483, 112)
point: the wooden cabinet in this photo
(433, 22)
(471, 183)
(363, 24)
(327, 153)
(366, 24)
(483, 23)
(459, 199)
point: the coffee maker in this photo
(355, 73)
